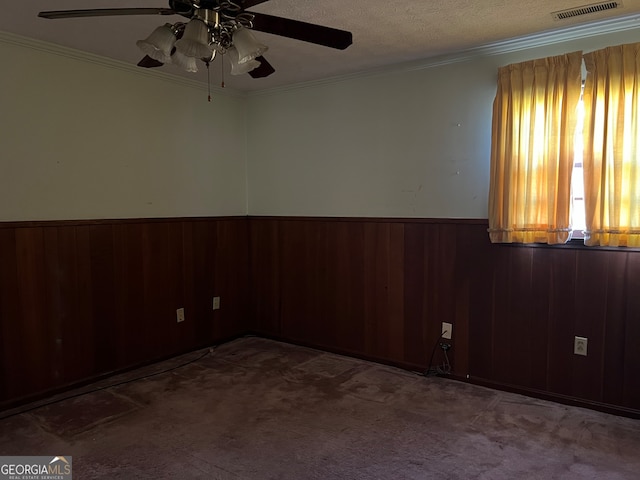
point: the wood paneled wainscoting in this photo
(79, 299)
(379, 289)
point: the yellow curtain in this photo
(611, 143)
(532, 143)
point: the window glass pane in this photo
(578, 219)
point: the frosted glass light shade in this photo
(159, 44)
(237, 68)
(181, 60)
(246, 44)
(195, 41)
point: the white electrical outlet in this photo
(216, 303)
(180, 315)
(447, 329)
(580, 346)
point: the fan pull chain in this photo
(208, 82)
(222, 70)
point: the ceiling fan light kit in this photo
(195, 40)
(159, 45)
(247, 46)
(222, 26)
(240, 68)
(180, 60)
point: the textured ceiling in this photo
(385, 32)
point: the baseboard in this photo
(344, 351)
(534, 393)
(553, 397)
(530, 392)
(33, 400)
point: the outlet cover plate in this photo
(447, 328)
(216, 303)
(580, 346)
(180, 315)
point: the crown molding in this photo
(540, 39)
(53, 49)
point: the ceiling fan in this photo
(215, 27)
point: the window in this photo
(542, 146)
(611, 156)
(578, 219)
(532, 150)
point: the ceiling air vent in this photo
(585, 10)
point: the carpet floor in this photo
(259, 409)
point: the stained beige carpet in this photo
(258, 409)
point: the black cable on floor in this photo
(99, 389)
(446, 369)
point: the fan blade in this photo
(148, 62)
(307, 32)
(264, 70)
(106, 12)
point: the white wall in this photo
(80, 140)
(404, 144)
